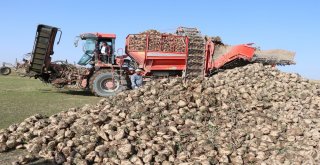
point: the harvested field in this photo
(249, 115)
(22, 97)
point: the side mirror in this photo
(76, 41)
(120, 50)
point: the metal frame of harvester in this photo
(197, 57)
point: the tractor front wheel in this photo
(105, 83)
(5, 70)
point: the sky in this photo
(271, 24)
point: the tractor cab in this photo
(92, 48)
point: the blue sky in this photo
(287, 24)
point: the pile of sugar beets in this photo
(248, 115)
(157, 41)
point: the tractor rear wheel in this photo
(5, 70)
(105, 83)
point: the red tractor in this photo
(186, 53)
(103, 78)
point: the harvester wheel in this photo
(5, 70)
(103, 83)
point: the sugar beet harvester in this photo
(186, 53)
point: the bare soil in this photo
(7, 158)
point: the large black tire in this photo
(103, 83)
(5, 70)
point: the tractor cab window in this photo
(109, 43)
(89, 46)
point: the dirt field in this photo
(8, 157)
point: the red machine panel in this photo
(158, 51)
(219, 55)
